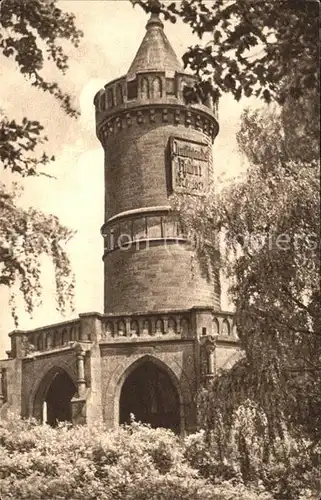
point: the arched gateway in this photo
(149, 393)
(52, 402)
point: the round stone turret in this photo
(155, 145)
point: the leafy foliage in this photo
(16, 140)
(29, 34)
(288, 471)
(26, 235)
(270, 222)
(250, 45)
(137, 462)
(133, 462)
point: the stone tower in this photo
(154, 145)
(162, 334)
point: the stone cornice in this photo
(139, 211)
(158, 113)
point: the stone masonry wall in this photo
(137, 165)
(161, 277)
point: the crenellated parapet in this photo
(151, 98)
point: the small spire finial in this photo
(154, 8)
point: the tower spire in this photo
(155, 53)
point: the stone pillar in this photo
(17, 343)
(165, 321)
(44, 412)
(209, 345)
(1, 387)
(127, 322)
(81, 383)
(211, 360)
(90, 327)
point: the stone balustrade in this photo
(164, 325)
(223, 325)
(47, 338)
(93, 327)
(146, 325)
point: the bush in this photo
(132, 462)
(129, 463)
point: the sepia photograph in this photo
(160, 301)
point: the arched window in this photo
(109, 329)
(33, 341)
(119, 94)
(76, 334)
(159, 327)
(144, 88)
(216, 328)
(186, 88)
(171, 326)
(225, 327)
(121, 328)
(183, 86)
(40, 342)
(72, 333)
(184, 326)
(49, 341)
(65, 337)
(134, 328)
(132, 90)
(102, 102)
(57, 338)
(157, 87)
(146, 327)
(110, 98)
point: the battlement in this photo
(147, 89)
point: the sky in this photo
(113, 31)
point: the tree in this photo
(250, 45)
(270, 218)
(30, 34)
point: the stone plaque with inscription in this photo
(189, 166)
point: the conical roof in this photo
(155, 52)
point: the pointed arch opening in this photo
(144, 88)
(149, 392)
(52, 403)
(156, 87)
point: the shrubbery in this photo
(132, 462)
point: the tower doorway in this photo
(150, 395)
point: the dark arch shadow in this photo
(150, 393)
(55, 392)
